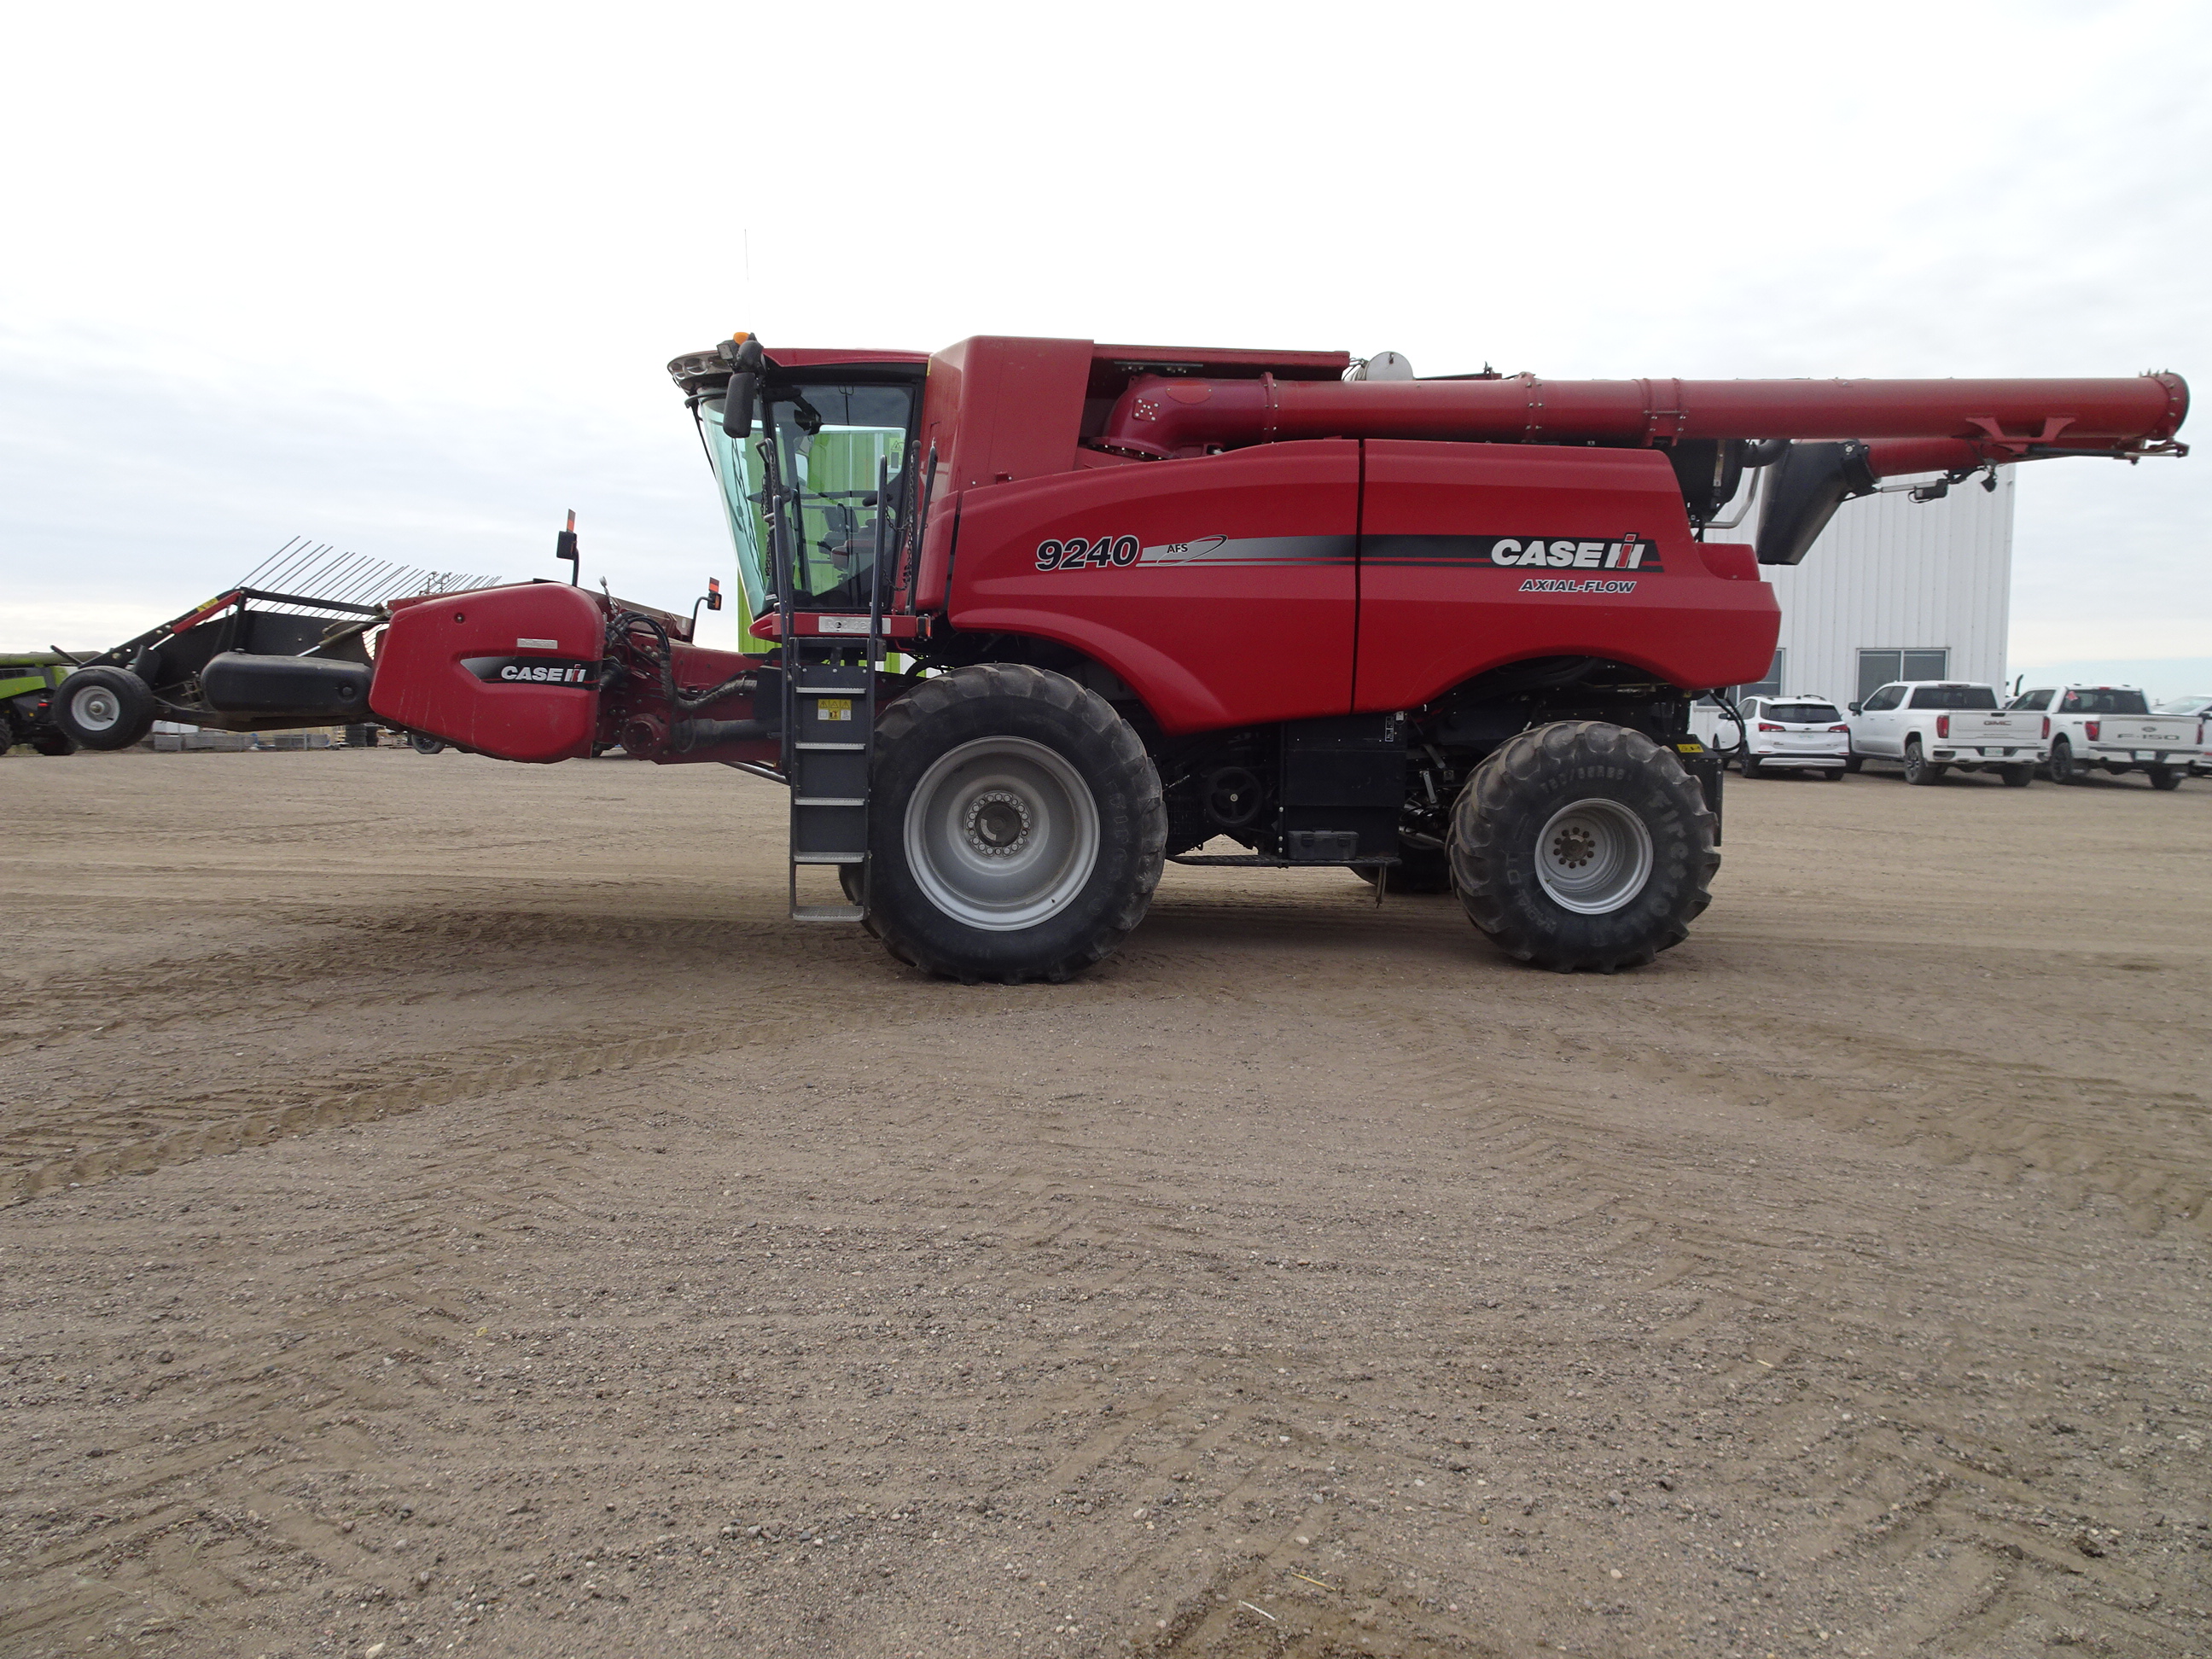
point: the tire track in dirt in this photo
(248, 1119)
(1315, 1236)
(1941, 1476)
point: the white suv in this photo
(1784, 734)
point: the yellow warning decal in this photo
(835, 709)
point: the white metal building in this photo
(1895, 589)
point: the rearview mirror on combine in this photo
(738, 405)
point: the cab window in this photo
(2104, 700)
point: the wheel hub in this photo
(1573, 846)
(997, 823)
(95, 708)
(1593, 857)
(1001, 833)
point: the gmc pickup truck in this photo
(2111, 726)
(1928, 727)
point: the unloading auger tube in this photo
(1831, 440)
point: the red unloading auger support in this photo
(1829, 440)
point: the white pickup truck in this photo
(2198, 706)
(1928, 727)
(2111, 726)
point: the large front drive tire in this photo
(104, 708)
(1583, 845)
(1017, 829)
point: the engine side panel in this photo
(1221, 588)
(509, 671)
(1474, 556)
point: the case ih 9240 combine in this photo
(1445, 632)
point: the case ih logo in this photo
(1632, 554)
(532, 670)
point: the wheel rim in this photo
(1593, 857)
(96, 709)
(1001, 833)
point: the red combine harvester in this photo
(1443, 632)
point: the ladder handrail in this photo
(868, 662)
(788, 654)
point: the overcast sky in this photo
(404, 278)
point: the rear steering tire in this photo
(1582, 845)
(104, 708)
(1018, 827)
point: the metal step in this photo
(827, 801)
(828, 857)
(842, 748)
(826, 912)
(1262, 861)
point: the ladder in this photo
(828, 717)
(829, 725)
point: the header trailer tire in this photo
(104, 708)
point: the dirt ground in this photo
(449, 1208)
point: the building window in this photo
(1877, 668)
